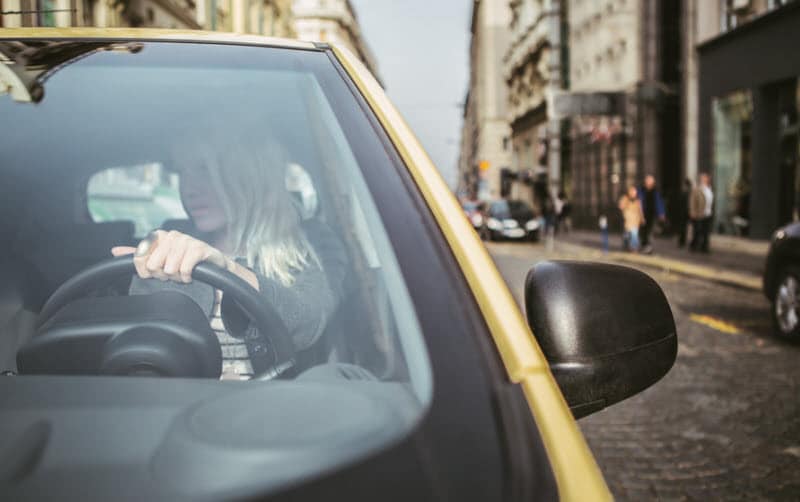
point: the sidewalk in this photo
(733, 260)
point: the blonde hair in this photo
(249, 178)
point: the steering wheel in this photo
(266, 319)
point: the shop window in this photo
(732, 161)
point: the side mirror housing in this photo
(607, 331)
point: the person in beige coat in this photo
(700, 212)
(632, 216)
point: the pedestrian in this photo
(549, 213)
(563, 209)
(701, 209)
(653, 209)
(603, 224)
(682, 212)
(633, 217)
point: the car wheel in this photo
(786, 305)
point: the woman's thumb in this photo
(122, 250)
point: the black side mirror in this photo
(607, 331)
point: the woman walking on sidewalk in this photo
(633, 217)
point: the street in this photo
(723, 424)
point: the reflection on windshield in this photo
(27, 65)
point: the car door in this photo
(577, 474)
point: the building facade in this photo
(533, 67)
(623, 106)
(101, 13)
(486, 133)
(260, 17)
(333, 21)
(742, 106)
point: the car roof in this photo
(154, 34)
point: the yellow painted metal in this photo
(153, 34)
(574, 467)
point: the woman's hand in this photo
(173, 255)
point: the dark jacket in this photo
(658, 210)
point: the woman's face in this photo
(632, 192)
(200, 201)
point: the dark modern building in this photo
(747, 115)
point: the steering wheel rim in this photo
(266, 319)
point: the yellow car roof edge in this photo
(577, 475)
(155, 34)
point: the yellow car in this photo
(230, 271)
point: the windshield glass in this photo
(500, 209)
(238, 157)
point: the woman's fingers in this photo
(140, 263)
(157, 257)
(180, 244)
(194, 255)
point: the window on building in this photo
(732, 117)
(88, 12)
(46, 16)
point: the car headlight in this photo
(532, 225)
(509, 223)
(477, 220)
(494, 224)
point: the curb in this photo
(667, 265)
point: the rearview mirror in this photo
(607, 331)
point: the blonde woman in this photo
(632, 216)
(245, 220)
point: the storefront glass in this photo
(732, 161)
(788, 130)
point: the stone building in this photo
(741, 108)
(260, 17)
(332, 21)
(102, 13)
(533, 70)
(623, 107)
(486, 134)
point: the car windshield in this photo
(500, 209)
(240, 155)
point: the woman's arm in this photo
(308, 304)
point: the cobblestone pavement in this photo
(724, 424)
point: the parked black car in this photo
(782, 281)
(512, 219)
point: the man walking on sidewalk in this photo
(701, 204)
(653, 208)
